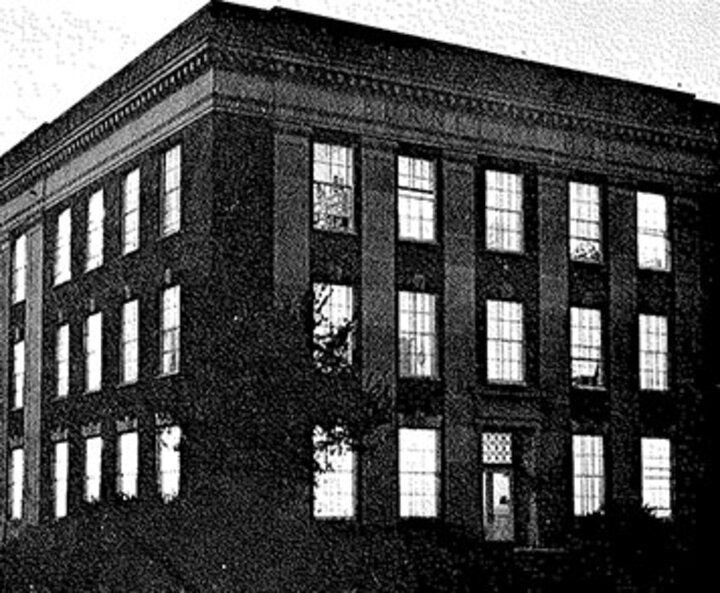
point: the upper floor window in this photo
(19, 269)
(505, 342)
(60, 478)
(168, 462)
(333, 195)
(170, 200)
(129, 342)
(585, 225)
(170, 331)
(653, 239)
(417, 335)
(653, 352)
(18, 370)
(16, 478)
(63, 242)
(586, 347)
(656, 476)
(334, 493)
(96, 216)
(588, 474)
(127, 465)
(62, 360)
(93, 352)
(333, 321)
(419, 464)
(503, 211)
(416, 199)
(131, 212)
(93, 468)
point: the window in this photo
(653, 239)
(503, 211)
(333, 320)
(588, 474)
(127, 465)
(586, 347)
(129, 343)
(131, 212)
(335, 478)
(585, 226)
(16, 473)
(170, 202)
(419, 472)
(170, 331)
(63, 242)
(656, 487)
(168, 462)
(418, 348)
(18, 374)
(505, 342)
(653, 352)
(93, 352)
(333, 188)
(498, 507)
(93, 468)
(62, 360)
(19, 271)
(416, 199)
(61, 478)
(96, 216)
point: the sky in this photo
(54, 52)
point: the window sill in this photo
(589, 388)
(416, 241)
(349, 232)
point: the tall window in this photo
(129, 342)
(585, 226)
(18, 374)
(170, 331)
(93, 352)
(334, 495)
(653, 352)
(333, 187)
(63, 244)
(656, 476)
(131, 212)
(333, 318)
(505, 342)
(168, 461)
(419, 472)
(96, 216)
(416, 199)
(16, 473)
(653, 239)
(60, 478)
(170, 202)
(19, 270)
(127, 464)
(586, 347)
(418, 335)
(588, 474)
(503, 211)
(498, 497)
(62, 360)
(93, 468)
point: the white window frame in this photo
(170, 323)
(131, 212)
(18, 371)
(128, 452)
(335, 479)
(334, 311)
(92, 490)
(92, 344)
(129, 342)
(417, 199)
(19, 269)
(504, 216)
(653, 237)
(653, 352)
(657, 476)
(171, 192)
(588, 474)
(420, 472)
(333, 187)
(16, 483)
(586, 348)
(169, 463)
(505, 357)
(417, 334)
(60, 478)
(62, 360)
(95, 232)
(63, 248)
(586, 243)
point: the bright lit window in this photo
(588, 474)
(18, 374)
(93, 352)
(416, 199)
(62, 360)
(170, 331)
(16, 473)
(96, 216)
(129, 342)
(586, 347)
(419, 472)
(585, 226)
(60, 478)
(656, 476)
(19, 270)
(333, 318)
(505, 342)
(93, 468)
(334, 495)
(333, 188)
(653, 353)
(170, 202)
(503, 211)
(653, 239)
(417, 335)
(127, 465)
(63, 244)
(131, 212)
(168, 462)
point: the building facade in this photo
(521, 248)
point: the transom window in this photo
(334, 494)
(62, 360)
(127, 464)
(93, 352)
(63, 239)
(505, 342)
(16, 479)
(93, 468)
(585, 226)
(333, 320)
(18, 361)
(96, 216)
(19, 270)
(498, 496)
(417, 335)
(170, 331)
(656, 476)
(333, 195)
(168, 462)
(416, 199)
(419, 472)
(60, 478)
(653, 239)
(588, 474)
(503, 211)
(129, 342)
(653, 352)
(131, 212)
(170, 198)
(586, 347)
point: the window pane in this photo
(503, 211)
(127, 464)
(19, 271)
(653, 352)
(63, 247)
(585, 225)
(586, 347)
(416, 199)
(334, 493)
(131, 212)
(169, 462)
(96, 216)
(93, 352)
(333, 193)
(656, 476)
(18, 374)
(505, 342)
(129, 342)
(588, 474)
(61, 478)
(333, 320)
(170, 330)
(16, 476)
(62, 358)
(170, 202)
(417, 335)
(93, 468)
(419, 472)
(652, 232)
